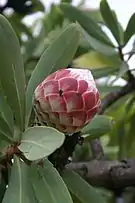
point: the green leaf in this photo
(130, 29)
(66, 1)
(18, 26)
(81, 189)
(95, 14)
(110, 20)
(75, 199)
(86, 22)
(92, 60)
(29, 48)
(108, 88)
(6, 112)
(6, 120)
(17, 188)
(48, 184)
(2, 186)
(12, 71)
(38, 142)
(59, 54)
(3, 146)
(43, 43)
(5, 133)
(123, 69)
(99, 126)
(99, 46)
(103, 72)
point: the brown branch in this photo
(112, 97)
(113, 175)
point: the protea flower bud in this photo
(67, 99)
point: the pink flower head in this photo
(67, 99)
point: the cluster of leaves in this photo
(60, 42)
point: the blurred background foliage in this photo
(96, 52)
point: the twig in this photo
(112, 97)
(130, 75)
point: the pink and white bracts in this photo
(67, 99)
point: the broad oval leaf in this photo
(39, 142)
(12, 71)
(86, 22)
(110, 20)
(81, 189)
(99, 126)
(17, 188)
(48, 185)
(58, 55)
(130, 29)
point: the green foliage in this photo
(110, 20)
(85, 193)
(19, 26)
(100, 125)
(46, 177)
(12, 71)
(99, 46)
(6, 119)
(17, 189)
(86, 22)
(68, 35)
(39, 142)
(129, 32)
